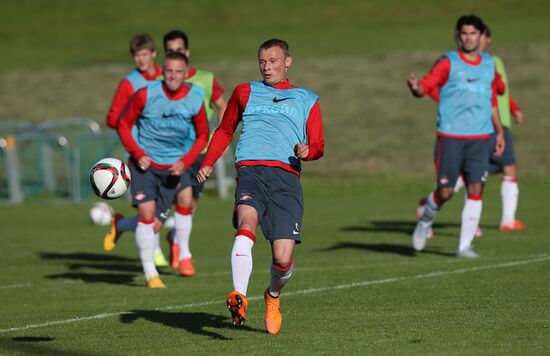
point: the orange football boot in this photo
(110, 239)
(237, 304)
(186, 267)
(516, 225)
(273, 316)
(174, 251)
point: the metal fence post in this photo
(12, 167)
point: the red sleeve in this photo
(434, 93)
(499, 84)
(122, 95)
(127, 122)
(499, 88)
(437, 77)
(200, 122)
(513, 106)
(217, 90)
(314, 132)
(231, 118)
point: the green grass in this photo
(61, 33)
(372, 122)
(376, 296)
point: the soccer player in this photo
(164, 129)
(281, 126)
(186, 201)
(467, 114)
(506, 163)
(142, 48)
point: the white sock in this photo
(470, 221)
(279, 279)
(183, 222)
(241, 260)
(145, 241)
(459, 184)
(127, 224)
(157, 243)
(430, 209)
(509, 193)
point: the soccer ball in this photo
(110, 178)
(101, 213)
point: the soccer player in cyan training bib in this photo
(467, 115)
(281, 126)
(164, 129)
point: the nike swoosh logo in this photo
(469, 80)
(275, 100)
(241, 255)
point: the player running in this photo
(164, 129)
(186, 200)
(281, 126)
(467, 114)
(506, 163)
(142, 48)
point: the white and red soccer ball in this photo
(110, 178)
(101, 213)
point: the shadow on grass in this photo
(33, 345)
(110, 278)
(195, 323)
(85, 256)
(405, 227)
(78, 261)
(401, 250)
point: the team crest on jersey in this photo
(245, 197)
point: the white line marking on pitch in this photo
(543, 258)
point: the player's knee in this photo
(445, 194)
(185, 198)
(158, 225)
(475, 189)
(282, 261)
(246, 225)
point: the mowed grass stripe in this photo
(542, 258)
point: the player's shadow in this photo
(397, 227)
(34, 345)
(401, 250)
(195, 323)
(405, 227)
(110, 278)
(85, 256)
(77, 261)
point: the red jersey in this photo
(123, 94)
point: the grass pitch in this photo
(358, 286)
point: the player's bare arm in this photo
(414, 85)
(497, 124)
(204, 173)
(518, 117)
(220, 105)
